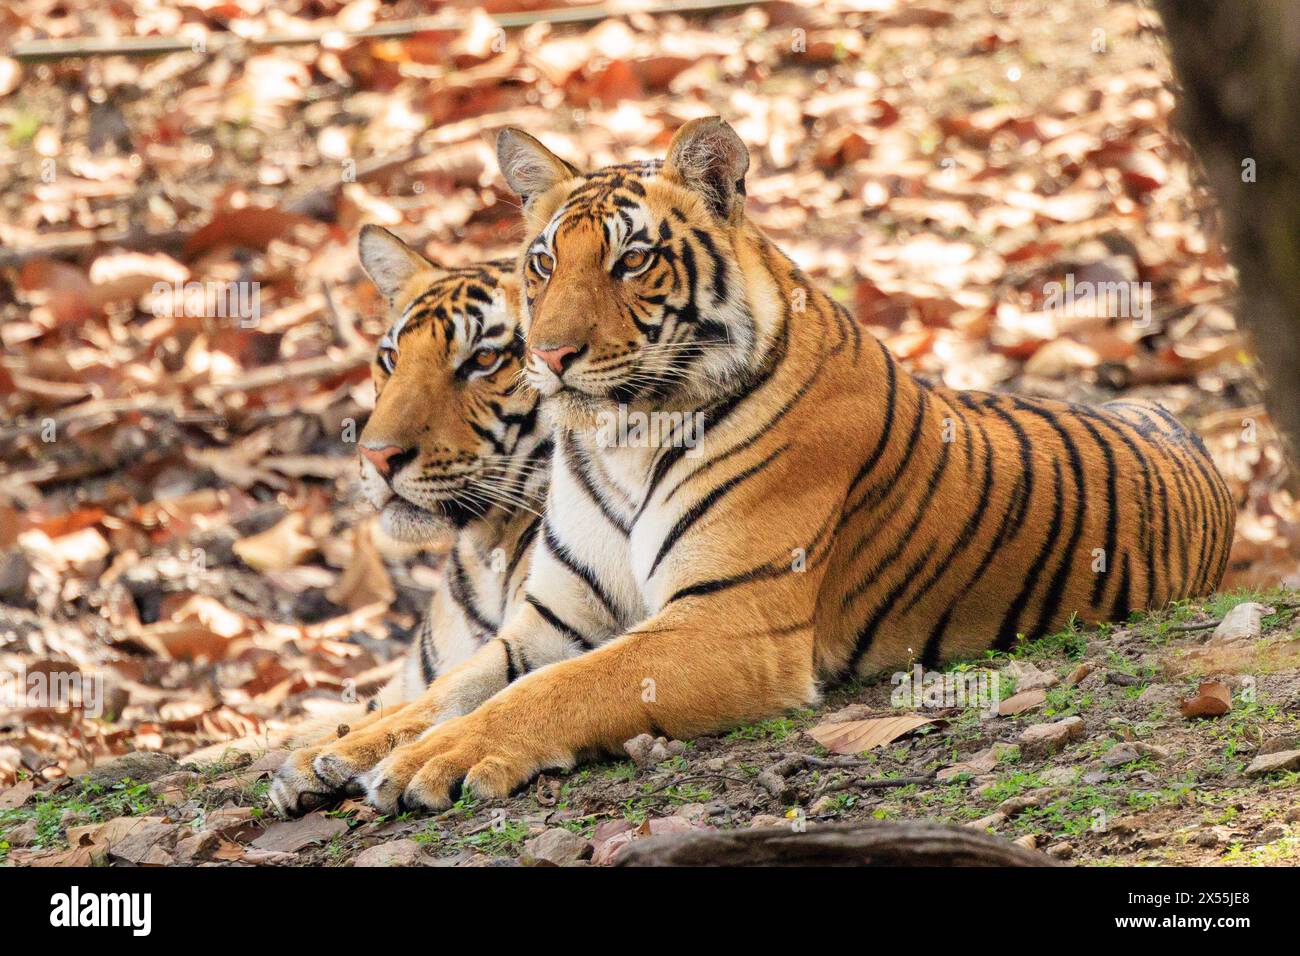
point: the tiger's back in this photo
(977, 518)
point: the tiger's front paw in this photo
(314, 775)
(296, 789)
(468, 754)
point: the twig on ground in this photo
(884, 783)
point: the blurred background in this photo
(177, 507)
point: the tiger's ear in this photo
(391, 263)
(708, 157)
(528, 166)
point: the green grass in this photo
(774, 728)
(92, 804)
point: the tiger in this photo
(454, 446)
(834, 517)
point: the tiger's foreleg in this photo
(524, 644)
(682, 672)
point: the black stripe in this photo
(1007, 631)
(867, 633)
(967, 533)
(1056, 590)
(462, 593)
(578, 569)
(772, 569)
(512, 672)
(1112, 513)
(764, 429)
(886, 428)
(577, 461)
(550, 617)
(715, 414)
(706, 503)
(428, 671)
(1146, 509)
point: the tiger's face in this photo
(451, 434)
(632, 293)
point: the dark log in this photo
(865, 844)
(1239, 68)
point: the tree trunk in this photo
(1239, 66)
(867, 844)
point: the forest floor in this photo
(179, 527)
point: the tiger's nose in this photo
(388, 458)
(557, 358)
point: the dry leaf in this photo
(1211, 699)
(1019, 703)
(280, 547)
(365, 581)
(857, 736)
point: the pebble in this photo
(1124, 753)
(1243, 623)
(1029, 677)
(1269, 763)
(1059, 776)
(1043, 740)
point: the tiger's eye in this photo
(485, 357)
(543, 264)
(634, 259)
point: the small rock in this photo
(1271, 833)
(1043, 740)
(1094, 777)
(392, 853)
(1059, 776)
(766, 820)
(1292, 815)
(1060, 851)
(1029, 677)
(823, 804)
(141, 767)
(1029, 841)
(559, 847)
(1157, 695)
(1205, 838)
(1034, 798)
(1269, 763)
(1075, 677)
(24, 835)
(1278, 744)
(716, 764)
(697, 813)
(1243, 623)
(1121, 679)
(1124, 753)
